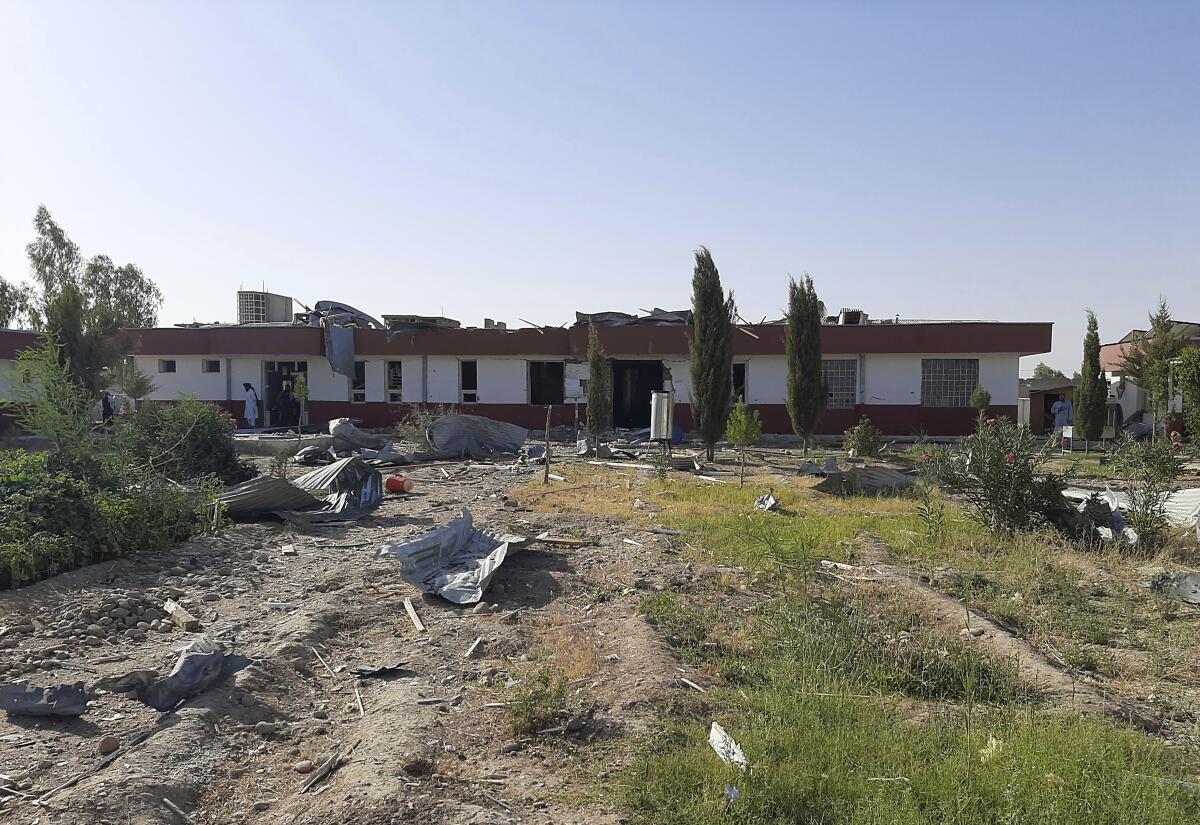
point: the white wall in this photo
(896, 379)
(766, 379)
(186, 380)
(681, 378)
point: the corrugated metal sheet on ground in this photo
(265, 494)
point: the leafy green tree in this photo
(980, 398)
(1091, 397)
(1043, 370)
(711, 346)
(1187, 379)
(743, 429)
(599, 388)
(1147, 361)
(85, 306)
(131, 381)
(806, 392)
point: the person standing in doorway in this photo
(251, 412)
(1064, 413)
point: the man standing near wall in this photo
(251, 412)
(1063, 413)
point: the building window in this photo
(395, 381)
(948, 382)
(210, 365)
(841, 382)
(739, 381)
(546, 382)
(166, 365)
(468, 381)
(358, 386)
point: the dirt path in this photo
(426, 746)
(1053, 682)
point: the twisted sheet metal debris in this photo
(1182, 586)
(475, 436)
(351, 436)
(348, 487)
(456, 562)
(59, 700)
(201, 665)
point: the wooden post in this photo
(546, 478)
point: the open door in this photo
(633, 382)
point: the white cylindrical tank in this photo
(662, 415)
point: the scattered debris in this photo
(456, 561)
(1182, 586)
(351, 437)
(349, 486)
(475, 436)
(383, 671)
(562, 541)
(766, 503)
(865, 480)
(474, 648)
(201, 665)
(692, 685)
(183, 619)
(399, 484)
(412, 614)
(59, 700)
(728, 750)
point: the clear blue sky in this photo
(1014, 161)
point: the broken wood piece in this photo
(692, 684)
(562, 541)
(323, 662)
(634, 543)
(181, 617)
(714, 480)
(412, 614)
(280, 605)
(321, 772)
(555, 729)
(288, 550)
(175, 809)
(499, 802)
(496, 705)
(471, 651)
(361, 711)
(432, 700)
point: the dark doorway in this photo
(633, 381)
(282, 411)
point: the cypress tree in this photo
(599, 388)
(1092, 395)
(711, 347)
(806, 393)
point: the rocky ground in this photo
(431, 743)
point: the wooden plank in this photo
(563, 541)
(180, 616)
(474, 648)
(412, 614)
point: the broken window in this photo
(739, 381)
(545, 382)
(210, 365)
(948, 382)
(358, 386)
(166, 365)
(395, 381)
(841, 382)
(468, 377)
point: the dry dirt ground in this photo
(429, 745)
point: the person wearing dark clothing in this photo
(283, 408)
(106, 407)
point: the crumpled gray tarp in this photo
(1182, 586)
(456, 561)
(201, 665)
(349, 484)
(351, 436)
(475, 436)
(59, 700)
(339, 348)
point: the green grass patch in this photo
(849, 711)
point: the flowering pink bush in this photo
(1000, 471)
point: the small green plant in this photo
(414, 427)
(980, 398)
(660, 459)
(1152, 466)
(931, 510)
(1001, 472)
(864, 439)
(539, 702)
(743, 429)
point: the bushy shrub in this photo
(187, 440)
(51, 522)
(1001, 471)
(864, 439)
(1152, 467)
(980, 398)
